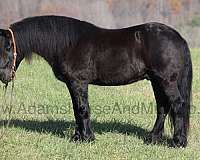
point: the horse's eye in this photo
(8, 48)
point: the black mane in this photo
(49, 34)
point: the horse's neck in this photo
(42, 51)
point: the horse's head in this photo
(6, 56)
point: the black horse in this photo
(81, 53)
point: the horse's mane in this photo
(49, 34)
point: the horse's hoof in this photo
(153, 139)
(179, 142)
(88, 137)
(82, 138)
(76, 138)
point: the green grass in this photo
(121, 117)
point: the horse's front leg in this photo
(79, 94)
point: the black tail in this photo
(185, 87)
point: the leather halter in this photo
(14, 54)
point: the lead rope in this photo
(4, 102)
(8, 119)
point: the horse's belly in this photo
(117, 82)
(120, 77)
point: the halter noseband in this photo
(14, 54)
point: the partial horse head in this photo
(6, 56)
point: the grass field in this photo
(42, 120)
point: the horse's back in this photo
(131, 54)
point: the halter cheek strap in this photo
(14, 54)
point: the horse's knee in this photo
(84, 111)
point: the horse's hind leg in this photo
(176, 112)
(79, 94)
(162, 111)
(177, 115)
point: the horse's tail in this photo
(185, 87)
